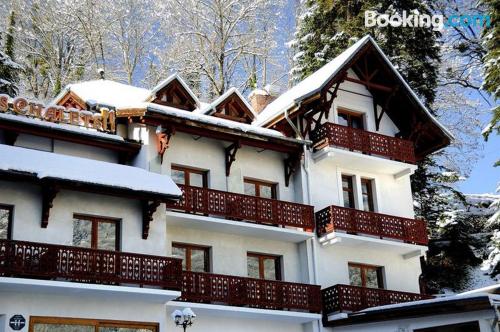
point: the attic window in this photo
(233, 108)
(175, 95)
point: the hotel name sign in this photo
(104, 121)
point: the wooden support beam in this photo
(148, 209)
(231, 155)
(163, 136)
(49, 192)
(370, 85)
(291, 165)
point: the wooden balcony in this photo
(359, 222)
(345, 298)
(57, 262)
(244, 208)
(248, 292)
(331, 134)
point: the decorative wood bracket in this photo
(49, 192)
(10, 137)
(378, 117)
(163, 136)
(148, 209)
(291, 165)
(231, 155)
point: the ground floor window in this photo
(364, 275)
(5, 221)
(56, 324)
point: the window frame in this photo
(96, 323)
(10, 208)
(349, 189)
(258, 183)
(189, 247)
(188, 170)
(363, 267)
(350, 115)
(95, 228)
(370, 193)
(262, 257)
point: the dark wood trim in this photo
(163, 140)
(187, 172)
(262, 183)
(74, 101)
(349, 189)
(96, 323)
(49, 193)
(148, 209)
(9, 208)
(189, 247)
(230, 152)
(364, 267)
(95, 220)
(262, 257)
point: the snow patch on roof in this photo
(106, 92)
(46, 165)
(60, 126)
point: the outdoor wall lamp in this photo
(183, 318)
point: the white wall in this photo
(399, 274)
(229, 252)
(217, 324)
(82, 306)
(66, 148)
(27, 201)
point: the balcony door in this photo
(189, 176)
(262, 266)
(5, 222)
(367, 193)
(364, 275)
(96, 232)
(260, 188)
(195, 258)
(350, 119)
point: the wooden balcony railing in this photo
(244, 207)
(334, 218)
(345, 298)
(57, 262)
(331, 134)
(249, 292)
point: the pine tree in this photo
(9, 70)
(326, 28)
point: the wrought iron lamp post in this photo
(183, 318)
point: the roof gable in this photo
(174, 92)
(232, 106)
(382, 79)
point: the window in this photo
(348, 191)
(194, 258)
(189, 176)
(264, 266)
(350, 119)
(56, 324)
(96, 232)
(365, 275)
(5, 222)
(260, 188)
(367, 192)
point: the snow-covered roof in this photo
(317, 80)
(212, 106)
(165, 82)
(212, 120)
(105, 92)
(46, 165)
(60, 126)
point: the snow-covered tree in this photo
(9, 71)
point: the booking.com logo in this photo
(437, 22)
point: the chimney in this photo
(260, 98)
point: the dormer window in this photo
(350, 119)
